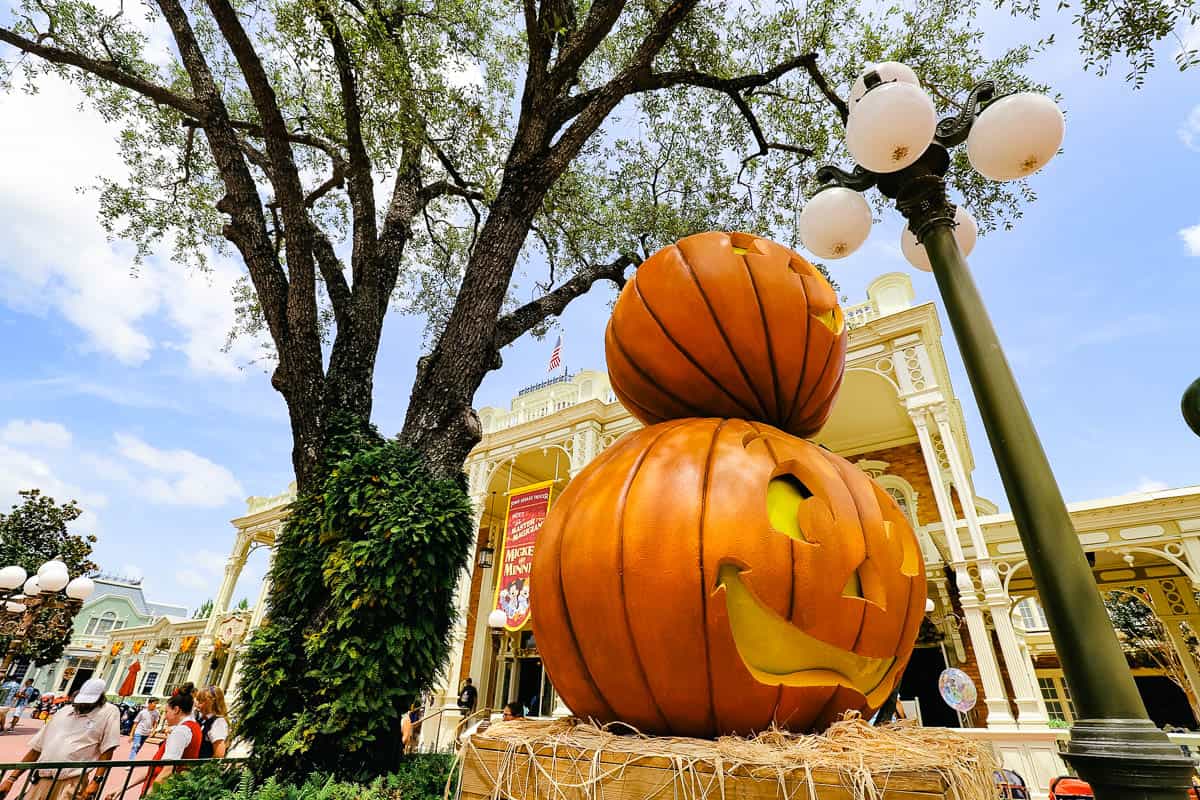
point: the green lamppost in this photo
(1190, 405)
(902, 150)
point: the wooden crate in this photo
(566, 773)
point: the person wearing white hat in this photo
(87, 730)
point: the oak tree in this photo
(360, 155)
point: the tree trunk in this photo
(441, 421)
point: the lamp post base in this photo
(1128, 759)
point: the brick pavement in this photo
(14, 745)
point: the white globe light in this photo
(891, 127)
(497, 619)
(12, 577)
(929, 605)
(54, 578)
(835, 222)
(81, 588)
(32, 587)
(888, 72)
(53, 565)
(15, 608)
(966, 232)
(1015, 136)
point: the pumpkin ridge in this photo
(762, 315)
(791, 410)
(799, 407)
(724, 336)
(611, 452)
(704, 486)
(791, 554)
(637, 656)
(656, 384)
(637, 292)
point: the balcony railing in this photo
(861, 314)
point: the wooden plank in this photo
(565, 778)
(899, 779)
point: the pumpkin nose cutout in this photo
(853, 587)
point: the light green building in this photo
(116, 604)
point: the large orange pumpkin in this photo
(727, 325)
(706, 576)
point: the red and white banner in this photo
(527, 509)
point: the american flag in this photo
(555, 356)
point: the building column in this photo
(999, 714)
(1031, 709)
(233, 571)
(446, 690)
(1170, 622)
(260, 605)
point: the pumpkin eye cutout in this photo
(785, 495)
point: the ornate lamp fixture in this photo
(1114, 745)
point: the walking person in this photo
(210, 703)
(467, 698)
(182, 742)
(86, 730)
(143, 725)
(26, 696)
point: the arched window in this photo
(1030, 615)
(902, 492)
(104, 623)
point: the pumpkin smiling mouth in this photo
(778, 653)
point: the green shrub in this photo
(360, 613)
(213, 779)
(420, 777)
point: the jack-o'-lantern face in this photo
(708, 576)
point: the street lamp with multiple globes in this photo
(26, 597)
(902, 150)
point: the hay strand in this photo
(571, 760)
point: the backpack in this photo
(206, 745)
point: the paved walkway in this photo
(15, 744)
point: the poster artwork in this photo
(527, 508)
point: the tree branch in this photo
(107, 70)
(513, 325)
(441, 188)
(362, 190)
(655, 81)
(335, 279)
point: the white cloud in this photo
(191, 579)
(20, 470)
(179, 477)
(57, 259)
(1189, 132)
(1191, 239)
(1149, 485)
(36, 433)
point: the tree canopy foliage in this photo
(454, 158)
(33, 532)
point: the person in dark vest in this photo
(468, 697)
(182, 742)
(210, 703)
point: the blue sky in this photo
(114, 389)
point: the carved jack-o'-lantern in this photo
(727, 325)
(707, 576)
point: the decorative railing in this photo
(861, 314)
(71, 779)
(566, 376)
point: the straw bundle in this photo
(571, 760)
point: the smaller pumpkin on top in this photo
(728, 325)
